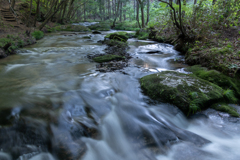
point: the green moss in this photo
(86, 37)
(229, 95)
(128, 35)
(187, 92)
(118, 37)
(37, 34)
(225, 108)
(71, 28)
(217, 78)
(107, 58)
(116, 43)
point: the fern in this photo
(229, 95)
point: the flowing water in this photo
(55, 106)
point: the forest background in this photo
(206, 31)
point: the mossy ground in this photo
(71, 28)
(107, 58)
(16, 41)
(221, 55)
(188, 92)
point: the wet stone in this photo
(96, 32)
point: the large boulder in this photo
(188, 92)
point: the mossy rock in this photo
(100, 27)
(86, 37)
(223, 107)
(118, 37)
(107, 58)
(72, 28)
(128, 35)
(188, 92)
(217, 78)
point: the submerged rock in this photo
(187, 92)
(96, 32)
(43, 156)
(107, 58)
(5, 156)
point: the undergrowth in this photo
(37, 34)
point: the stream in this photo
(56, 106)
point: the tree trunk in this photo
(29, 19)
(116, 15)
(124, 11)
(134, 6)
(50, 9)
(70, 9)
(64, 11)
(46, 21)
(137, 17)
(148, 9)
(120, 11)
(142, 15)
(195, 1)
(142, 12)
(84, 11)
(13, 4)
(37, 13)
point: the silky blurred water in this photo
(61, 108)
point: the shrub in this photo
(38, 34)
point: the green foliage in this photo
(229, 95)
(142, 34)
(4, 41)
(107, 58)
(20, 43)
(225, 108)
(128, 26)
(37, 34)
(116, 43)
(223, 51)
(101, 26)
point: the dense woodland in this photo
(146, 13)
